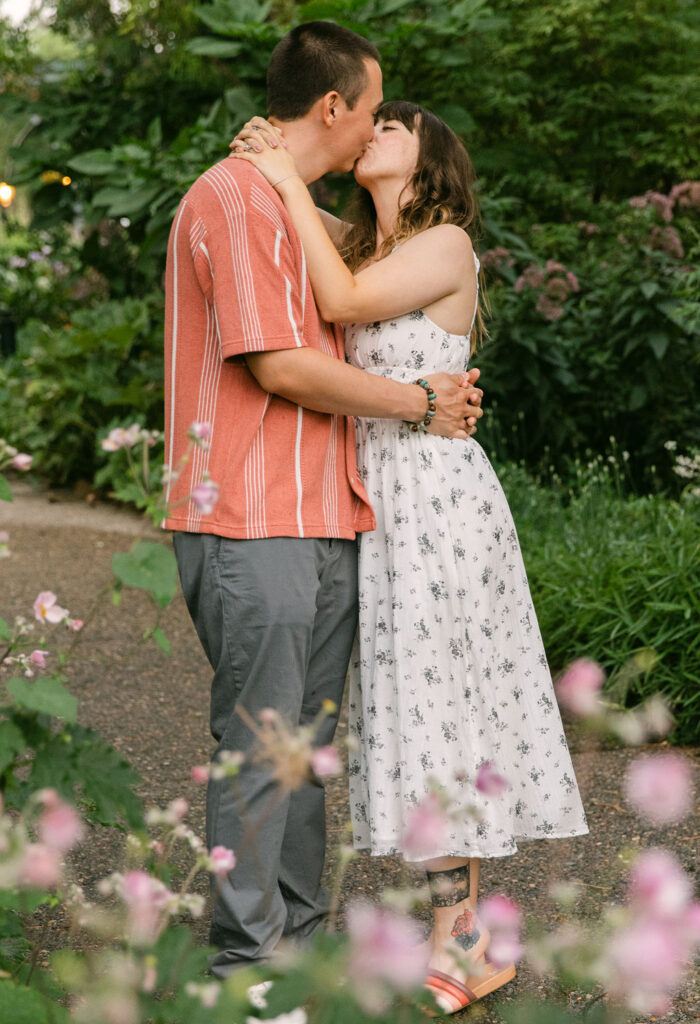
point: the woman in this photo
(453, 674)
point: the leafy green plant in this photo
(614, 578)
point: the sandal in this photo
(451, 995)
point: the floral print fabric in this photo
(451, 670)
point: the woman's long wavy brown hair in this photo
(441, 190)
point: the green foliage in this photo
(39, 276)
(622, 359)
(148, 566)
(65, 384)
(23, 1005)
(613, 577)
(47, 695)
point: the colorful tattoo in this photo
(464, 930)
(448, 887)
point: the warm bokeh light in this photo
(65, 180)
(7, 194)
(49, 177)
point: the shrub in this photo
(66, 384)
(614, 579)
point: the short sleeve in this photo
(249, 264)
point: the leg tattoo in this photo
(448, 887)
(464, 930)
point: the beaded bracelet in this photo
(432, 398)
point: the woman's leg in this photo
(454, 883)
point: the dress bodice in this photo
(407, 346)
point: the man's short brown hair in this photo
(312, 60)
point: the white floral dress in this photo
(451, 670)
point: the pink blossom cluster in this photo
(647, 955)
(666, 240)
(685, 195)
(578, 688)
(10, 456)
(127, 437)
(554, 283)
(47, 609)
(588, 229)
(426, 829)
(386, 955)
(200, 433)
(290, 751)
(38, 864)
(497, 257)
(205, 495)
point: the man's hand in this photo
(457, 402)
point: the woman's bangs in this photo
(399, 110)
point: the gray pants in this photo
(276, 618)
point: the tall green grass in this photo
(612, 576)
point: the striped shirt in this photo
(236, 282)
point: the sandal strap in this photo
(447, 979)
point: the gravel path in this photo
(154, 709)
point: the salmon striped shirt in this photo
(236, 283)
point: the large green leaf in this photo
(122, 202)
(148, 566)
(95, 161)
(22, 1005)
(12, 742)
(5, 489)
(47, 695)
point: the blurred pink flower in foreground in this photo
(145, 898)
(75, 625)
(326, 762)
(40, 867)
(46, 609)
(22, 461)
(578, 689)
(199, 773)
(386, 954)
(658, 885)
(502, 918)
(200, 434)
(221, 861)
(646, 961)
(204, 496)
(660, 788)
(489, 781)
(60, 826)
(425, 830)
(38, 659)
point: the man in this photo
(269, 572)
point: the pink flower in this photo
(38, 658)
(662, 204)
(221, 861)
(21, 461)
(573, 281)
(686, 194)
(578, 689)
(326, 762)
(426, 829)
(200, 434)
(497, 257)
(639, 202)
(659, 788)
(548, 309)
(667, 240)
(40, 867)
(199, 773)
(204, 496)
(532, 277)
(646, 965)
(557, 288)
(121, 437)
(145, 898)
(60, 826)
(385, 954)
(490, 782)
(552, 267)
(502, 918)
(658, 886)
(75, 625)
(46, 609)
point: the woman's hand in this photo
(256, 132)
(259, 147)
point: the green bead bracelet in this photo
(430, 413)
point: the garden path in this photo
(154, 709)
